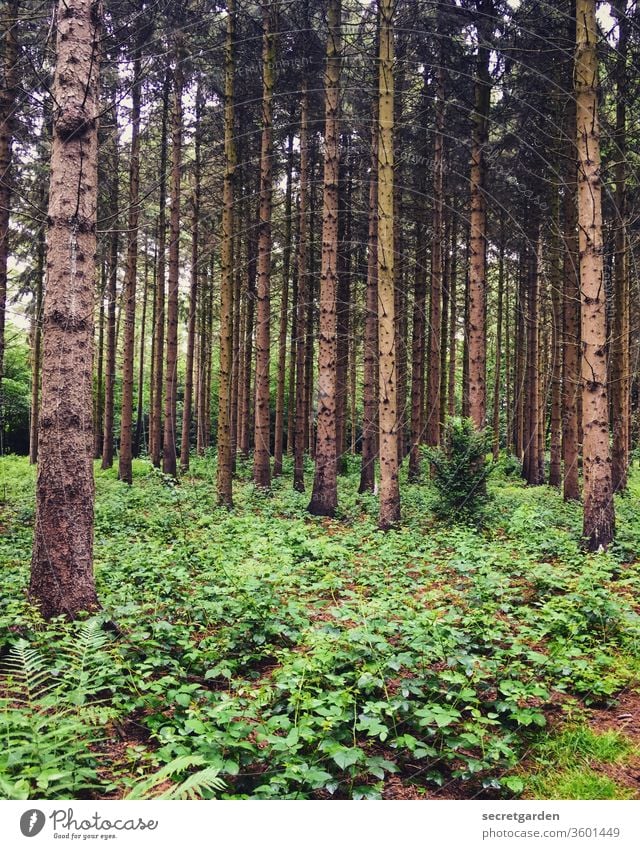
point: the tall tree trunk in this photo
(261, 468)
(112, 282)
(444, 326)
(8, 97)
(435, 304)
(185, 443)
(98, 401)
(497, 379)
(284, 311)
(620, 363)
(453, 322)
(62, 579)
(155, 429)
(36, 348)
(126, 420)
(389, 514)
(370, 394)
(531, 468)
(224, 481)
(599, 519)
(139, 434)
(169, 459)
(324, 497)
(555, 462)
(303, 292)
(477, 344)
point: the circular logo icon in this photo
(32, 822)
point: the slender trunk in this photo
(224, 481)
(284, 313)
(599, 519)
(620, 362)
(324, 497)
(555, 462)
(477, 343)
(261, 468)
(497, 379)
(8, 98)
(303, 293)
(98, 402)
(370, 394)
(112, 281)
(139, 435)
(417, 366)
(126, 419)
(62, 579)
(444, 326)
(453, 322)
(531, 467)
(193, 295)
(36, 349)
(169, 459)
(155, 448)
(389, 514)
(435, 304)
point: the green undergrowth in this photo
(294, 657)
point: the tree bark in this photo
(62, 579)
(370, 394)
(112, 282)
(389, 515)
(8, 98)
(477, 342)
(185, 442)
(224, 481)
(324, 497)
(169, 459)
(155, 429)
(599, 519)
(303, 292)
(126, 420)
(620, 361)
(261, 452)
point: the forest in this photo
(319, 399)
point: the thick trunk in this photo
(389, 514)
(261, 453)
(62, 579)
(599, 520)
(324, 497)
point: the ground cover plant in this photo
(259, 652)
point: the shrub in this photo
(460, 470)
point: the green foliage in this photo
(293, 658)
(460, 470)
(199, 785)
(52, 714)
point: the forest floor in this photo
(309, 658)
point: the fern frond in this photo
(190, 788)
(29, 677)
